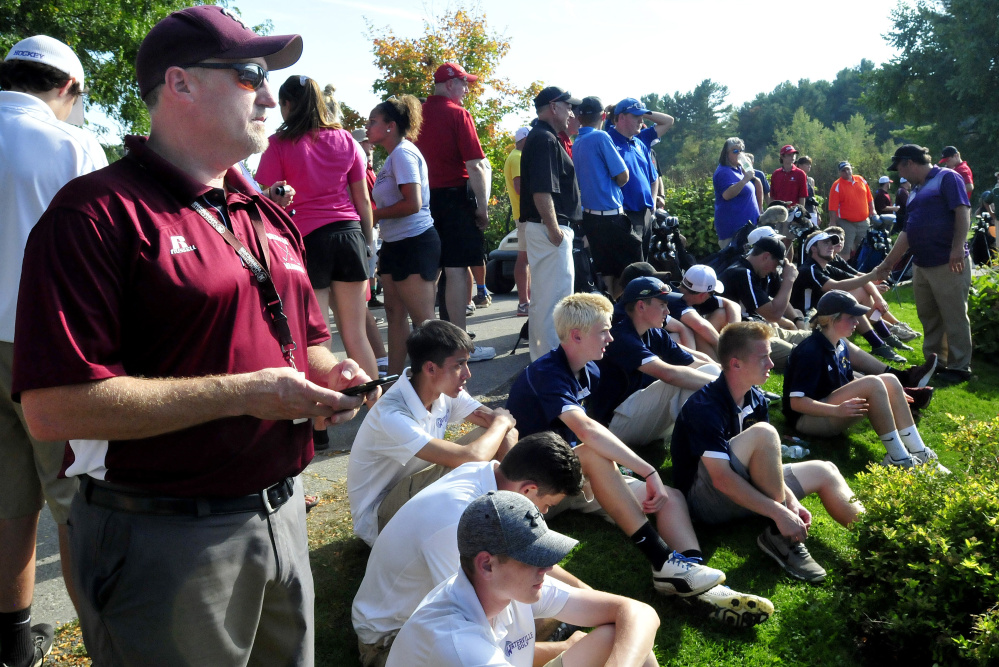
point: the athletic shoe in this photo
(382, 366)
(929, 456)
(684, 576)
(920, 396)
(792, 556)
(481, 354)
(907, 462)
(888, 354)
(953, 375)
(740, 610)
(469, 309)
(894, 342)
(373, 302)
(903, 331)
(522, 309)
(42, 636)
(919, 376)
(482, 300)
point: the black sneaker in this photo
(953, 375)
(42, 636)
(895, 342)
(792, 556)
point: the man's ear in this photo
(576, 335)
(529, 489)
(176, 82)
(483, 562)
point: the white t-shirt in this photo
(417, 550)
(450, 629)
(385, 447)
(38, 155)
(405, 164)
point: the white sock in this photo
(911, 439)
(893, 444)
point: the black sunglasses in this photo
(251, 75)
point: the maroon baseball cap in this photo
(449, 71)
(788, 149)
(207, 31)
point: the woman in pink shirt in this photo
(326, 167)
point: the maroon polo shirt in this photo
(447, 140)
(123, 278)
(789, 185)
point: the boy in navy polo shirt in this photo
(644, 377)
(549, 394)
(727, 457)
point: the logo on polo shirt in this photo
(179, 245)
(518, 644)
(285, 254)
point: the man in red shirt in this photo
(460, 179)
(851, 205)
(789, 184)
(950, 157)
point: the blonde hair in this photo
(579, 311)
(824, 321)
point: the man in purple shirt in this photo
(939, 216)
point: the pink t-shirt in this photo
(320, 167)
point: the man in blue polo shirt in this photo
(936, 231)
(644, 376)
(549, 395)
(634, 142)
(601, 172)
(727, 458)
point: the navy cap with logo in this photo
(554, 94)
(198, 33)
(645, 287)
(505, 523)
(591, 105)
(837, 301)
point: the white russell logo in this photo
(180, 245)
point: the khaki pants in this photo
(942, 306)
(781, 344)
(552, 277)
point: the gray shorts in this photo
(708, 504)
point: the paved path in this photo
(496, 326)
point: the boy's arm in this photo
(635, 623)
(451, 454)
(744, 494)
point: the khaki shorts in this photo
(406, 489)
(710, 505)
(556, 661)
(521, 237)
(375, 655)
(29, 473)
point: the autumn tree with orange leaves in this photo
(462, 36)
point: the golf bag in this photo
(983, 243)
(668, 249)
(872, 251)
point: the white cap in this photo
(360, 134)
(50, 51)
(821, 236)
(902, 180)
(521, 133)
(702, 278)
(762, 232)
(884, 179)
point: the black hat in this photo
(591, 105)
(948, 151)
(837, 301)
(771, 245)
(909, 152)
(554, 94)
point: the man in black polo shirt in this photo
(727, 458)
(644, 376)
(765, 294)
(549, 203)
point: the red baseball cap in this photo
(207, 31)
(788, 149)
(449, 71)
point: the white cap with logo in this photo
(50, 51)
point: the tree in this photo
(943, 83)
(461, 35)
(105, 35)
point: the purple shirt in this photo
(930, 216)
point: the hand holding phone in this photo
(368, 386)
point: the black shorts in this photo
(336, 253)
(462, 243)
(414, 255)
(613, 244)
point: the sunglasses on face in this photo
(250, 75)
(736, 151)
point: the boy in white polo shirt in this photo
(484, 614)
(400, 447)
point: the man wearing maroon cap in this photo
(789, 184)
(460, 179)
(166, 328)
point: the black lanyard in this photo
(273, 300)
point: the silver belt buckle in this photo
(267, 501)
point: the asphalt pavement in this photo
(496, 326)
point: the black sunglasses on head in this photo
(251, 75)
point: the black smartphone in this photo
(368, 386)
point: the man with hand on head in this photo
(167, 329)
(43, 84)
(484, 614)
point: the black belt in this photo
(268, 500)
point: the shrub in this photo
(983, 310)
(694, 204)
(925, 581)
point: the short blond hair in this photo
(579, 311)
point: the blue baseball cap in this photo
(632, 106)
(645, 287)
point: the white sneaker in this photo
(481, 353)
(740, 610)
(907, 462)
(469, 309)
(684, 576)
(929, 456)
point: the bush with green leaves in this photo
(694, 204)
(983, 310)
(924, 580)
